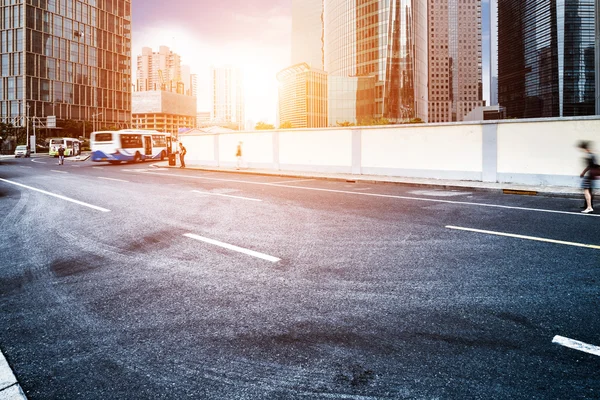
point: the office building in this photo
(307, 33)
(302, 96)
(227, 89)
(163, 111)
(385, 41)
(203, 118)
(546, 58)
(162, 70)
(70, 59)
(455, 70)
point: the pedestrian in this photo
(182, 152)
(589, 174)
(238, 155)
(61, 155)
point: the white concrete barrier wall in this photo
(539, 152)
(316, 150)
(257, 149)
(450, 152)
(544, 152)
(200, 149)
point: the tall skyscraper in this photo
(228, 96)
(307, 33)
(162, 70)
(69, 58)
(383, 40)
(455, 71)
(546, 58)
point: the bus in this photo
(72, 146)
(129, 145)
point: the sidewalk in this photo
(508, 188)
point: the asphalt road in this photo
(335, 290)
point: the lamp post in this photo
(27, 123)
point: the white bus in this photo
(72, 146)
(129, 145)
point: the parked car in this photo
(22, 151)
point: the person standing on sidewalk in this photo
(182, 152)
(61, 155)
(238, 155)
(589, 174)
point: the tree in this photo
(416, 121)
(286, 125)
(262, 126)
(345, 123)
(375, 121)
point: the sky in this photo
(254, 35)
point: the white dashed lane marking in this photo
(233, 248)
(226, 195)
(112, 179)
(537, 239)
(576, 345)
(9, 387)
(58, 196)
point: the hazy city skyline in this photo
(254, 35)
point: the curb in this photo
(509, 190)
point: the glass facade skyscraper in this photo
(378, 39)
(68, 58)
(546, 58)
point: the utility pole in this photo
(27, 123)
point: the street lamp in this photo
(27, 123)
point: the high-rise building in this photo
(493, 15)
(162, 70)
(303, 96)
(307, 33)
(455, 70)
(547, 58)
(165, 98)
(228, 96)
(70, 59)
(386, 41)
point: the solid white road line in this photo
(538, 239)
(60, 172)
(98, 167)
(226, 195)
(388, 196)
(234, 248)
(112, 179)
(22, 166)
(293, 181)
(9, 386)
(576, 345)
(81, 203)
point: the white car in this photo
(22, 151)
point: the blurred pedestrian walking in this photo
(238, 155)
(589, 174)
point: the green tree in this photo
(345, 123)
(262, 126)
(416, 121)
(286, 125)
(375, 121)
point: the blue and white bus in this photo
(129, 145)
